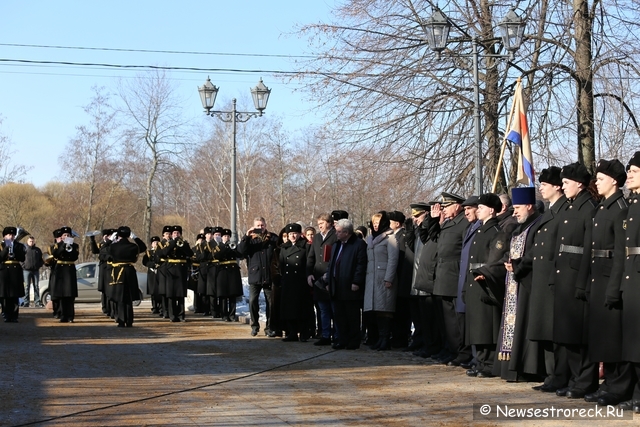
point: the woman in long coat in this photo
(381, 289)
(296, 301)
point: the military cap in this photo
(448, 199)
(66, 230)
(177, 228)
(107, 232)
(200, 236)
(155, 239)
(226, 232)
(396, 216)
(419, 208)
(551, 175)
(293, 228)
(217, 230)
(576, 172)
(338, 215)
(634, 160)
(208, 230)
(471, 201)
(9, 230)
(523, 196)
(57, 233)
(614, 169)
(167, 229)
(490, 200)
(124, 231)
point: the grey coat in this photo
(382, 256)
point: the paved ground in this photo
(207, 372)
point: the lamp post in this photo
(260, 95)
(512, 26)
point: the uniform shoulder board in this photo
(622, 203)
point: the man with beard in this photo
(177, 252)
(317, 263)
(517, 355)
(570, 284)
(483, 302)
(544, 252)
(605, 302)
(123, 254)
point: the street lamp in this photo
(437, 28)
(260, 95)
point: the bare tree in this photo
(10, 171)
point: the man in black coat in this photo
(346, 275)
(121, 273)
(483, 307)
(100, 249)
(177, 253)
(12, 253)
(570, 280)
(65, 287)
(149, 261)
(449, 236)
(258, 247)
(31, 269)
(544, 252)
(630, 279)
(401, 321)
(605, 302)
(317, 263)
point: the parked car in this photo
(87, 273)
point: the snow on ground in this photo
(242, 305)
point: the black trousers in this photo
(347, 320)
(454, 329)
(431, 321)
(229, 308)
(254, 305)
(401, 323)
(10, 309)
(485, 355)
(67, 308)
(572, 360)
(618, 378)
(104, 302)
(176, 308)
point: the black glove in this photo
(582, 294)
(613, 302)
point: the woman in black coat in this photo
(295, 300)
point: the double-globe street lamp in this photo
(260, 94)
(512, 26)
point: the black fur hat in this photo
(634, 160)
(491, 200)
(614, 169)
(576, 172)
(551, 175)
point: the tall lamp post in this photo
(260, 94)
(512, 26)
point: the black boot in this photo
(384, 325)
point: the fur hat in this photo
(338, 215)
(218, 230)
(293, 228)
(9, 230)
(176, 228)
(614, 169)
(226, 232)
(490, 200)
(66, 230)
(124, 231)
(576, 172)
(155, 239)
(551, 175)
(200, 236)
(397, 216)
(167, 229)
(57, 233)
(634, 160)
(208, 230)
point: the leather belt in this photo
(475, 265)
(11, 262)
(66, 262)
(572, 249)
(632, 251)
(120, 264)
(228, 262)
(177, 261)
(601, 253)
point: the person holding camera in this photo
(258, 248)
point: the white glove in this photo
(133, 235)
(113, 237)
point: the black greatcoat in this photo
(482, 320)
(177, 270)
(572, 271)
(425, 274)
(352, 269)
(605, 325)
(11, 277)
(449, 237)
(161, 271)
(149, 261)
(228, 276)
(631, 286)
(66, 281)
(544, 252)
(259, 252)
(316, 266)
(121, 273)
(295, 295)
(204, 256)
(100, 249)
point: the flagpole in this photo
(504, 140)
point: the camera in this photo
(257, 231)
